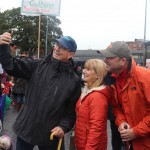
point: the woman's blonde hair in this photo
(99, 67)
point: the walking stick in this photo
(59, 143)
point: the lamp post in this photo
(144, 48)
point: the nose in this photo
(56, 48)
(83, 70)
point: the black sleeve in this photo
(17, 67)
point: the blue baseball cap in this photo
(68, 42)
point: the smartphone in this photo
(11, 32)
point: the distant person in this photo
(92, 108)
(19, 88)
(130, 86)
(53, 89)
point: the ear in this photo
(71, 54)
(96, 76)
(123, 61)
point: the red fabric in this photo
(135, 105)
(6, 90)
(91, 122)
(120, 81)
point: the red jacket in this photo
(91, 122)
(135, 107)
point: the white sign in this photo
(40, 7)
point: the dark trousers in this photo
(116, 138)
(131, 148)
(22, 145)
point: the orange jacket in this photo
(91, 121)
(135, 107)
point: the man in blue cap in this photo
(52, 91)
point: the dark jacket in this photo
(52, 92)
(19, 86)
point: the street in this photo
(10, 117)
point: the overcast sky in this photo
(96, 23)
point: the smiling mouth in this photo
(85, 75)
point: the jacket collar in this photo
(86, 91)
(60, 65)
(131, 66)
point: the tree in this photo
(25, 29)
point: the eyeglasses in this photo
(61, 47)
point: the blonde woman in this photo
(92, 107)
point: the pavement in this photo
(10, 117)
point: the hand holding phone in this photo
(5, 38)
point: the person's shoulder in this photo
(76, 79)
(141, 70)
(142, 74)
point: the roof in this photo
(83, 55)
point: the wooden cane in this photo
(60, 140)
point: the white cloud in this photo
(95, 23)
(8, 4)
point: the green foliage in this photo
(25, 29)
